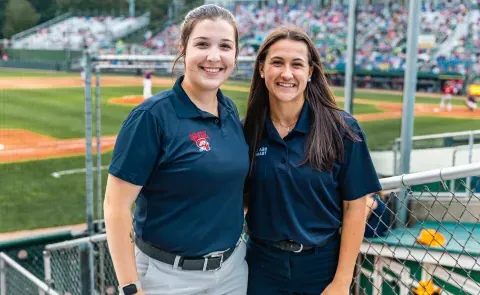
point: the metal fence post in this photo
(408, 105)
(86, 270)
(87, 257)
(471, 139)
(101, 268)
(395, 155)
(3, 277)
(91, 266)
(98, 124)
(88, 142)
(452, 182)
(47, 267)
(350, 71)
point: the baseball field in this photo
(42, 131)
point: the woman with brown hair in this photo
(309, 174)
(181, 156)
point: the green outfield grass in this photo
(31, 198)
(12, 73)
(60, 112)
(381, 134)
(370, 94)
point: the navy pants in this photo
(276, 272)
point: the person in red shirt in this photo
(447, 96)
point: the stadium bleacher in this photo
(381, 34)
(75, 32)
(449, 40)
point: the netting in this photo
(14, 279)
(436, 251)
(66, 270)
(69, 264)
(18, 284)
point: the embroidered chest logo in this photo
(201, 140)
(262, 151)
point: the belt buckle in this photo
(298, 251)
(214, 255)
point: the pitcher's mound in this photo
(128, 100)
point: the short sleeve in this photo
(137, 148)
(357, 176)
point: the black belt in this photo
(212, 261)
(292, 246)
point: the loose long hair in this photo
(324, 144)
(208, 11)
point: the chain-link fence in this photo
(436, 250)
(14, 279)
(67, 266)
(28, 251)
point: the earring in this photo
(261, 76)
(309, 79)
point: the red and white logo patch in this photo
(201, 140)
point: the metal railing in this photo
(14, 279)
(67, 266)
(395, 262)
(470, 149)
(471, 135)
(437, 251)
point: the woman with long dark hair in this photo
(310, 172)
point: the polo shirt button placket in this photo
(222, 127)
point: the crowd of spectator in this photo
(77, 32)
(449, 35)
(381, 34)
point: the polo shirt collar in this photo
(303, 123)
(302, 126)
(185, 108)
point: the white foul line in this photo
(59, 174)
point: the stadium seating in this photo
(381, 34)
(74, 32)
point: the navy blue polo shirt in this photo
(192, 166)
(289, 201)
